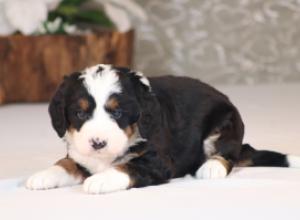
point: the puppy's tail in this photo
(252, 157)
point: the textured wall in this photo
(221, 41)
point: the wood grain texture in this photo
(31, 67)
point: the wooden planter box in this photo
(31, 67)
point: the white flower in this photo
(70, 29)
(54, 25)
(116, 11)
(25, 16)
(5, 27)
(28, 16)
(41, 29)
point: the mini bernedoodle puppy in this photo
(124, 130)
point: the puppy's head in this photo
(97, 110)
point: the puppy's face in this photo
(97, 111)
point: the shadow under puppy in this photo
(124, 130)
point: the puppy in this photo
(124, 130)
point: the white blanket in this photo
(271, 115)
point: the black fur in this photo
(175, 119)
(262, 158)
(128, 108)
(64, 105)
(175, 116)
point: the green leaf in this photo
(71, 12)
(72, 2)
(68, 11)
(94, 17)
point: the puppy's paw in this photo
(52, 177)
(212, 169)
(108, 181)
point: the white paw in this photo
(108, 181)
(211, 169)
(52, 177)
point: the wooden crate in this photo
(31, 67)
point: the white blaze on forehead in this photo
(101, 81)
(101, 84)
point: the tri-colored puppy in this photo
(124, 130)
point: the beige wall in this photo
(221, 41)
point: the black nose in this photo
(97, 144)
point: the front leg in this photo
(64, 173)
(107, 181)
(139, 172)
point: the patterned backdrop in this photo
(221, 41)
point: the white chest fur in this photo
(92, 164)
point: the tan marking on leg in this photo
(245, 163)
(70, 166)
(123, 168)
(224, 162)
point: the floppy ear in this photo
(149, 115)
(57, 110)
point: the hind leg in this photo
(222, 148)
(214, 168)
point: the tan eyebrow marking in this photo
(112, 103)
(84, 104)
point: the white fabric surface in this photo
(271, 115)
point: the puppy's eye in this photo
(117, 113)
(82, 115)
